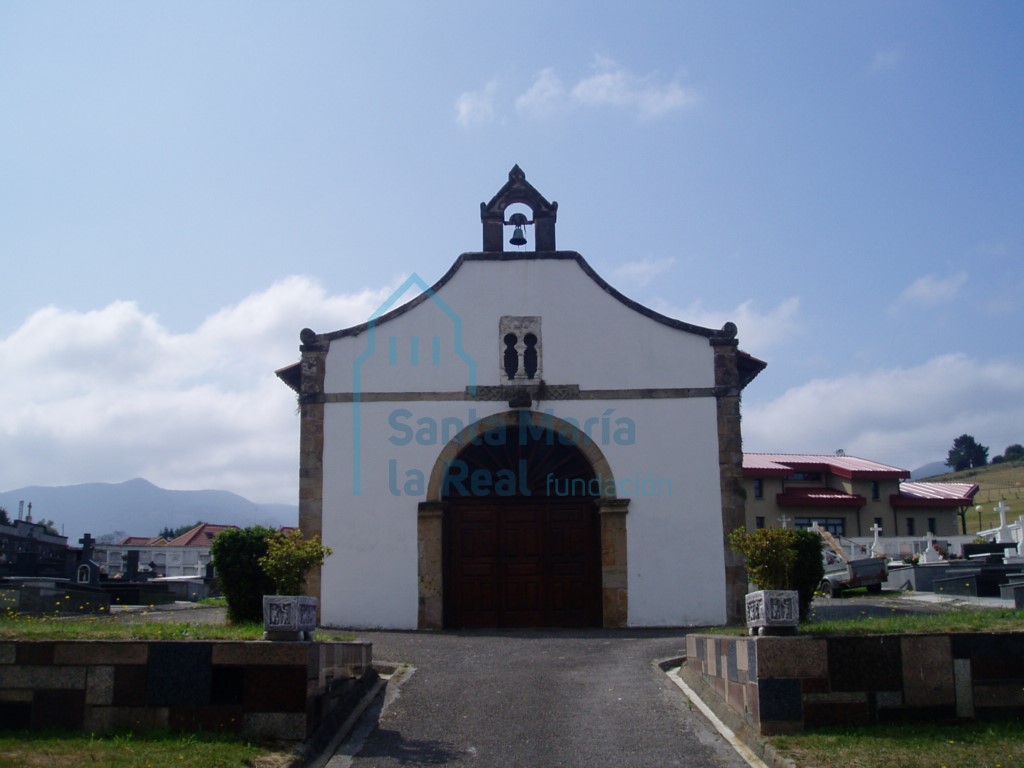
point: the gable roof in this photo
(850, 467)
(749, 366)
(934, 495)
(143, 541)
(200, 536)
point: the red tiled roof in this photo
(784, 464)
(200, 536)
(934, 495)
(143, 541)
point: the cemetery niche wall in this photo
(519, 444)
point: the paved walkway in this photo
(544, 699)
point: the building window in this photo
(759, 521)
(878, 522)
(932, 523)
(759, 489)
(910, 526)
(875, 495)
(834, 525)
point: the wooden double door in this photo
(522, 562)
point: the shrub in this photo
(236, 553)
(808, 568)
(782, 558)
(288, 559)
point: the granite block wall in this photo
(278, 690)
(787, 684)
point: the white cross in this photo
(1004, 536)
(784, 520)
(1002, 509)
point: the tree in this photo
(966, 453)
(1014, 452)
(4, 517)
(236, 553)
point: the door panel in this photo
(522, 563)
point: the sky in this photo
(184, 186)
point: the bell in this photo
(517, 237)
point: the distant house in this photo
(186, 555)
(849, 496)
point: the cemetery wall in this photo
(777, 685)
(279, 690)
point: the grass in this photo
(26, 749)
(901, 623)
(909, 745)
(56, 628)
(996, 482)
(961, 620)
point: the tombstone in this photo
(131, 566)
(930, 554)
(785, 521)
(87, 570)
(1004, 535)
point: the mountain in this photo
(929, 470)
(139, 508)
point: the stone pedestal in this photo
(289, 617)
(773, 612)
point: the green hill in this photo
(996, 482)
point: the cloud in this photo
(613, 86)
(931, 291)
(111, 394)
(644, 270)
(545, 97)
(884, 61)
(476, 108)
(757, 330)
(902, 416)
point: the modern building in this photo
(849, 496)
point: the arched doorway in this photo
(434, 521)
(521, 532)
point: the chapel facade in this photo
(522, 445)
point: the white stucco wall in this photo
(590, 338)
(378, 455)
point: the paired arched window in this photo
(520, 354)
